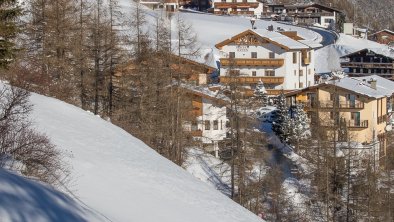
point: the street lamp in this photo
(252, 21)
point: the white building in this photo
(210, 112)
(238, 7)
(277, 59)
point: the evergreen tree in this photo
(282, 123)
(299, 125)
(261, 93)
(9, 12)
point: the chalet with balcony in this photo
(368, 62)
(383, 37)
(168, 5)
(362, 106)
(238, 7)
(282, 61)
(310, 14)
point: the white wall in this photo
(289, 70)
(211, 112)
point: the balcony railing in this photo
(332, 105)
(363, 124)
(356, 124)
(196, 133)
(382, 119)
(236, 4)
(367, 65)
(252, 80)
(252, 62)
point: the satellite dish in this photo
(389, 128)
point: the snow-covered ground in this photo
(328, 58)
(212, 29)
(209, 169)
(22, 199)
(119, 176)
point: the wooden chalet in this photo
(368, 62)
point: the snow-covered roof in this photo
(380, 51)
(280, 39)
(362, 86)
(273, 37)
(384, 30)
(358, 85)
(206, 92)
(311, 43)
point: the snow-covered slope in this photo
(122, 178)
(22, 199)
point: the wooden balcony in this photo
(236, 5)
(196, 133)
(252, 79)
(351, 124)
(367, 65)
(355, 124)
(252, 62)
(331, 105)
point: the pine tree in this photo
(261, 93)
(9, 12)
(282, 123)
(300, 126)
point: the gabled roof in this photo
(306, 6)
(384, 30)
(205, 92)
(380, 51)
(359, 85)
(271, 36)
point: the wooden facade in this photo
(384, 37)
(367, 62)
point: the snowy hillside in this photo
(22, 199)
(122, 178)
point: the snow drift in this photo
(123, 179)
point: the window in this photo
(294, 57)
(221, 124)
(231, 55)
(215, 125)
(234, 72)
(331, 115)
(309, 71)
(332, 96)
(207, 124)
(295, 72)
(309, 83)
(253, 73)
(194, 126)
(301, 85)
(254, 55)
(269, 72)
(272, 55)
(310, 56)
(301, 72)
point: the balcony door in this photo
(351, 100)
(355, 116)
(312, 99)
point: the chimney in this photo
(271, 28)
(373, 83)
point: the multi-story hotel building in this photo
(362, 105)
(282, 61)
(238, 7)
(368, 62)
